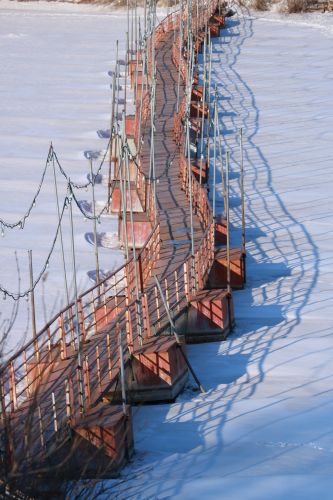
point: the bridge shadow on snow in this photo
(267, 310)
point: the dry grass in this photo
(260, 5)
(295, 6)
(254, 4)
(123, 3)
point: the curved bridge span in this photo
(65, 397)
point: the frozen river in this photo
(264, 428)
(54, 86)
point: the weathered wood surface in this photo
(40, 428)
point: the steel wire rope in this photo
(124, 146)
(86, 185)
(51, 155)
(21, 222)
(20, 295)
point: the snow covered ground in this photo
(264, 428)
(54, 86)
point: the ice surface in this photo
(264, 428)
(55, 87)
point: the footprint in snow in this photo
(104, 240)
(92, 154)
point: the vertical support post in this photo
(98, 367)
(203, 101)
(95, 226)
(60, 228)
(174, 332)
(41, 428)
(228, 224)
(68, 400)
(108, 346)
(122, 373)
(208, 97)
(33, 309)
(214, 168)
(63, 346)
(54, 411)
(181, 37)
(123, 191)
(193, 283)
(77, 317)
(112, 134)
(126, 73)
(87, 379)
(137, 288)
(243, 202)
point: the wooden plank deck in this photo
(172, 202)
(174, 218)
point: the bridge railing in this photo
(97, 307)
(107, 308)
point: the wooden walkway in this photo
(42, 396)
(172, 202)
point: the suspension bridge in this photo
(66, 395)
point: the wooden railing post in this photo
(54, 412)
(68, 400)
(158, 314)
(2, 398)
(108, 347)
(98, 367)
(140, 273)
(87, 395)
(145, 314)
(93, 308)
(129, 330)
(186, 284)
(82, 320)
(63, 347)
(12, 387)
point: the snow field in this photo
(263, 430)
(54, 87)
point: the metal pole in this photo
(137, 291)
(181, 37)
(191, 208)
(112, 135)
(174, 331)
(222, 169)
(117, 84)
(243, 202)
(132, 28)
(122, 374)
(128, 21)
(190, 183)
(136, 25)
(144, 78)
(137, 51)
(95, 226)
(60, 229)
(32, 297)
(77, 322)
(123, 193)
(126, 71)
(203, 100)
(152, 176)
(214, 171)
(208, 97)
(228, 223)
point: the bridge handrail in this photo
(112, 304)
